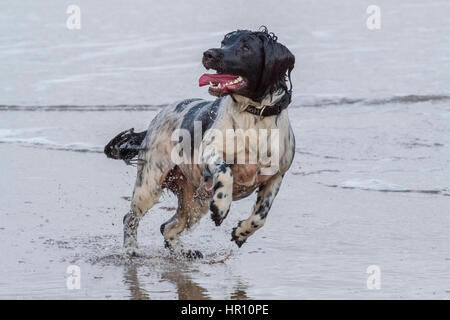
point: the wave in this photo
(44, 143)
(298, 101)
(6, 133)
(401, 99)
(76, 108)
(383, 186)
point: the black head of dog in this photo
(249, 63)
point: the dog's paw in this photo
(217, 218)
(238, 239)
(132, 252)
(192, 254)
(217, 215)
(188, 254)
(220, 202)
(180, 251)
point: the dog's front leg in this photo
(222, 185)
(266, 195)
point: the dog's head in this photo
(249, 63)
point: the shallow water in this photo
(364, 189)
(369, 184)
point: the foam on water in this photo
(384, 186)
(372, 184)
(12, 132)
(44, 143)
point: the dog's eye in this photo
(245, 48)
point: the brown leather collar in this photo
(267, 111)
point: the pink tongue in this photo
(206, 78)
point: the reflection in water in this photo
(131, 279)
(187, 289)
(240, 292)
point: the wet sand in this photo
(365, 189)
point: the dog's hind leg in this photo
(266, 195)
(147, 191)
(191, 207)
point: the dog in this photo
(253, 71)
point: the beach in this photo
(369, 185)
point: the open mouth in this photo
(222, 84)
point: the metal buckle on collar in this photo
(261, 112)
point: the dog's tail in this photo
(125, 146)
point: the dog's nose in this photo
(210, 58)
(210, 54)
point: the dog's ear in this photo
(278, 63)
